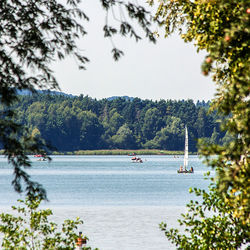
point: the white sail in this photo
(186, 149)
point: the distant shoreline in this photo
(128, 152)
(122, 152)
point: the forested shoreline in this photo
(74, 123)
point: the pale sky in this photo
(169, 69)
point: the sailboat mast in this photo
(186, 149)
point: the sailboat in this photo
(184, 168)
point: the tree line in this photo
(71, 123)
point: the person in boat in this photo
(191, 170)
(181, 168)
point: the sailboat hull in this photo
(185, 172)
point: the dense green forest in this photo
(71, 123)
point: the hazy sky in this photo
(168, 70)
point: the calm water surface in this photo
(121, 202)
(110, 180)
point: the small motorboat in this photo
(137, 160)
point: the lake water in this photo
(121, 202)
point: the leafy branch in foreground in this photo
(33, 34)
(221, 28)
(30, 228)
(17, 143)
(209, 224)
(122, 11)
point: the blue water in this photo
(109, 180)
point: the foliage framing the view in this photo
(30, 228)
(209, 224)
(222, 29)
(33, 34)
